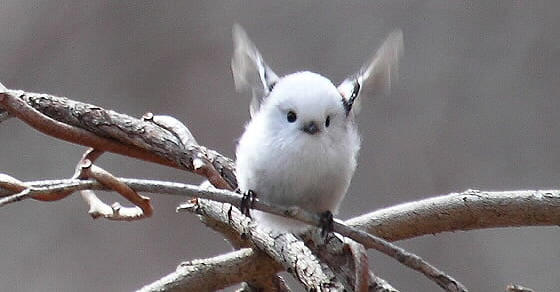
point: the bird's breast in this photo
(312, 177)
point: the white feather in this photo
(376, 75)
(250, 72)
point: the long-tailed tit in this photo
(301, 145)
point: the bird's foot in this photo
(247, 202)
(326, 223)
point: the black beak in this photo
(311, 128)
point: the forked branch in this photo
(106, 130)
(165, 141)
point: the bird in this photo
(300, 147)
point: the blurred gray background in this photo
(476, 107)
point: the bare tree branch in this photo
(468, 210)
(116, 211)
(306, 267)
(97, 208)
(518, 288)
(262, 282)
(163, 140)
(106, 130)
(348, 260)
(11, 184)
(284, 249)
(15, 197)
(380, 285)
(542, 206)
(224, 271)
(477, 208)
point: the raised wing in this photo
(376, 75)
(250, 72)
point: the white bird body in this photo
(286, 166)
(301, 145)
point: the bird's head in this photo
(305, 104)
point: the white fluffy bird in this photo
(301, 145)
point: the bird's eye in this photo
(291, 116)
(328, 121)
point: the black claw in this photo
(326, 223)
(229, 213)
(247, 202)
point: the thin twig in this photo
(518, 288)
(410, 260)
(11, 183)
(540, 207)
(115, 212)
(97, 208)
(115, 184)
(15, 197)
